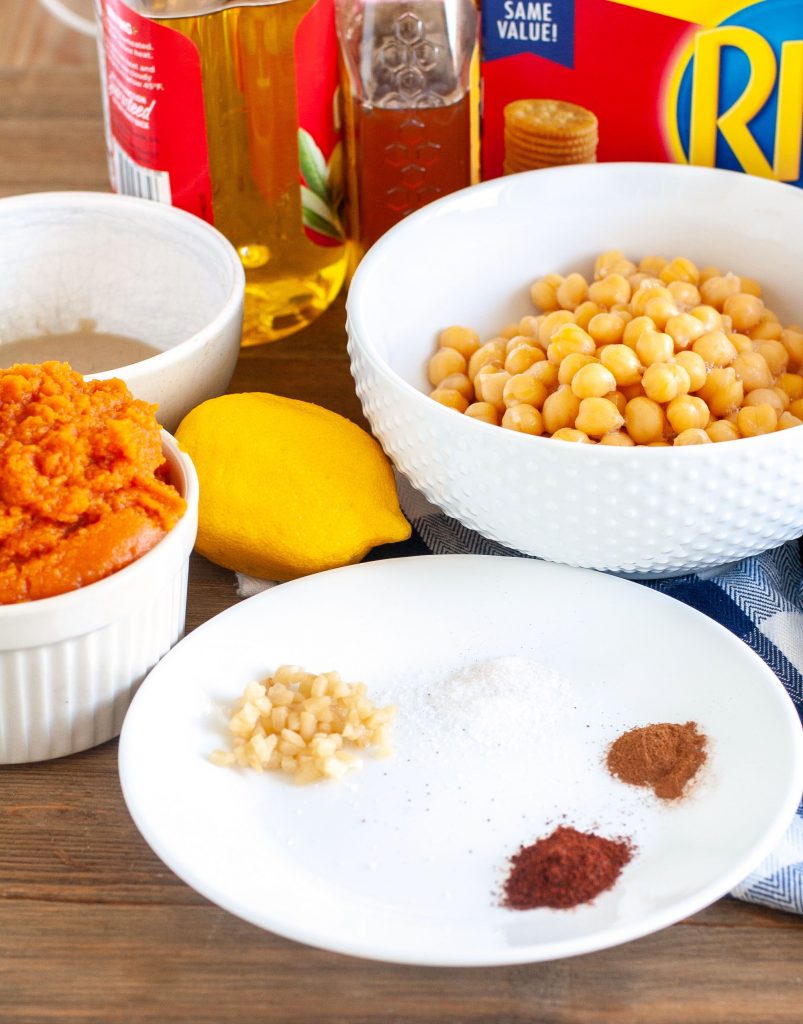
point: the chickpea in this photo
(569, 434)
(560, 409)
(753, 420)
(526, 419)
(585, 313)
(687, 412)
(569, 338)
(551, 323)
(787, 420)
(750, 286)
(796, 408)
(483, 411)
(571, 364)
(716, 290)
(523, 389)
(767, 396)
(529, 326)
(598, 416)
(694, 435)
(610, 290)
(680, 269)
(775, 354)
(684, 329)
(593, 381)
(708, 272)
(767, 329)
(635, 328)
(606, 260)
(783, 397)
(546, 372)
(792, 384)
(618, 400)
(664, 381)
(722, 430)
(645, 420)
(572, 291)
(606, 328)
(623, 363)
(652, 265)
(509, 331)
(744, 310)
(645, 294)
(715, 348)
(685, 295)
(722, 390)
(654, 347)
(522, 357)
(792, 341)
(461, 339)
(544, 296)
(694, 365)
(709, 317)
(491, 352)
(444, 363)
(637, 280)
(618, 438)
(450, 398)
(489, 387)
(741, 342)
(660, 309)
(458, 382)
(752, 370)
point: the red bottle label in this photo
(320, 146)
(156, 125)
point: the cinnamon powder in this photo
(664, 757)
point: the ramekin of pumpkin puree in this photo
(83, 481)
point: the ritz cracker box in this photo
(717, 83)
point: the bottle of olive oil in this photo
(229, 110)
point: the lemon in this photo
(287, 488)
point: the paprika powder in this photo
(564, 869)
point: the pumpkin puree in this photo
(83, 482)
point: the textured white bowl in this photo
(136, 268)
(70, 665)
(470, 258)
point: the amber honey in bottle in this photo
(410, 74)
(229, 110)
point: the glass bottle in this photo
(228, 109)
(411, 92)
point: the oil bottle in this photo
(229, 110)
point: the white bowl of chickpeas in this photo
(647, 316)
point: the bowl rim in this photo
(359, 337)
(111, 591)
(209, 236)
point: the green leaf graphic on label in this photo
(323, 193)
(313, 165)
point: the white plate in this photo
(403, 861)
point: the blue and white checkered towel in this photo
(759, 599)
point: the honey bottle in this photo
(410, 71)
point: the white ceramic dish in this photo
(70, 664)
(135, 268)
(403, 860)
(470, 258)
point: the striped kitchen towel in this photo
(760, 599)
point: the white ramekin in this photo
(70, 665)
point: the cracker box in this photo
(717, 83)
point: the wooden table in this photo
(93, 928)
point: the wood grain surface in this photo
(93, 928)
